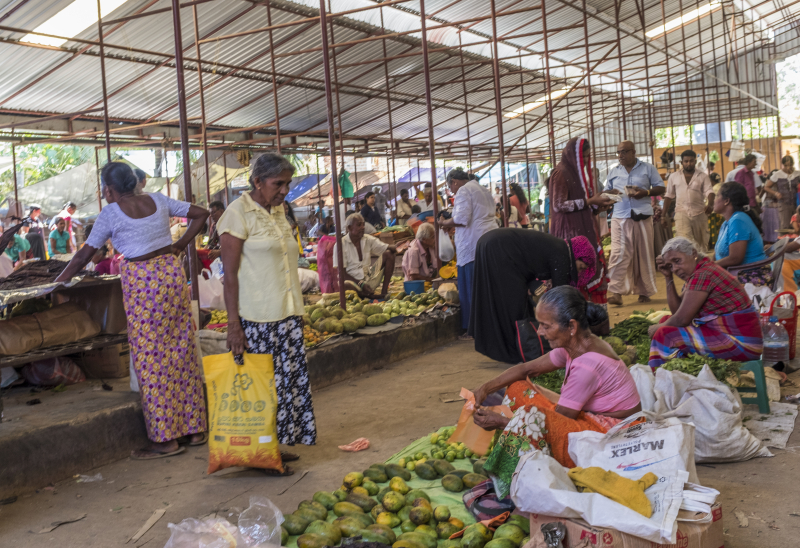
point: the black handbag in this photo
(529, 343)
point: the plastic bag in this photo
(211, 292)
(206, 533)
(475, 438)
(645, 381)
(52, 372)
(261, 522)
(242, 408)
(446, 249)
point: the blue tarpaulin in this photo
(304, 185)
(423, 175)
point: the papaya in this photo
(308, 514)
(316, 507)
(454, 543)
(452, 483)
(377, 319)
(375, 475)
(371, 487)
(319, 313)
(441, 513)
(445, 529)
(329, 530)
(499, 543)
(371, 309)
(471, 480)
(388, 518)
(397, 484)
(407, 544)
(312, 540)
(343, 508)
(407, 526)
(510, 532)
(386, 531)
(353, 479)
(348, 326)
(393, 501)
(443, 467)
(340, 495)
(395, 470)
(426, 471)
(349, 526)
(424, 539)
(376, 510)
(415, 494)
(404, 512)
(364, 502)
(420, 514)
(295, 525)
(325, 499)
(484, 531)
(379, 466)
(284, 535)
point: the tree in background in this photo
(39, 162)
(789, 95)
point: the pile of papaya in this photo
(365, 510)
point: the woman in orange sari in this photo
(597, 393)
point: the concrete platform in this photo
(85, 427)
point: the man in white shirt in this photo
(358, 248)
(693, 194)
(427, 191)
(473, 216)
(404, 208)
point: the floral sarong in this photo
(535, 426)
(161, 336)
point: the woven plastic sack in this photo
(242, 407)
(52, 372)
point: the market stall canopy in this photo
(363, 181)
(303, 184)
(423, 175)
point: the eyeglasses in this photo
(623, 151)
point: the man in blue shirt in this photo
(631, 267)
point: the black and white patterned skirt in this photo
(284, 340)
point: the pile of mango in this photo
(396, 505)
(312, 337)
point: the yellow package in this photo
(242, 406)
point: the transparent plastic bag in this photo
(206, 533)
(261, 523)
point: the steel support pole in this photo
(16, 185)
(702, 82)
(716, 97)
(187, 176)
(274, 80)
(225, 173)
(549, 99)
(431, 141)
(323, 22)
(650, 115)
(499, 112)
(466, 110)
(202, 102)
(97, 173)
(589, 105)
(525, 131)
(389, 112)
(338, 103)
(103, 79)
(669, 85)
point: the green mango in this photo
(441, 513)
(404, 512)
(312, 540)
(329, 530)
(375, 475)
(382, 493)
(477, 467)
(455, 543)
(365, 519)
(443, 467)
(368, 535)
(407, 544)
(379, 466)
(379, 527)
(371, 487)
(389, 519)
(521, 522)
(284, 535)
(445, 529)
(453, 483)
(377, 509)
(399, 485)
(407, 526)
(307, 514)
(424, 539)
(485, 532)
(326, 499)
(295, 525)
(349, 526)
(500, 543)
(393, 501)
(472, 539)
(353, 479)
(426, 471)
(365, 503)
(459, 473)
(316, 507)
(471, 480)
(344, 508)
(340, 495)
(395, 470)
(509, 531)
(415, 494)
(420, 514)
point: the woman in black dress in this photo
(508, 263)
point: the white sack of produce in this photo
(541, 486)
(309, 280)
(641, 443)
(645, 383)
(714, 409)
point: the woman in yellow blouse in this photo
(263, 295)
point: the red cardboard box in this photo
(581, 534)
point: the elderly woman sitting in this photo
(713, 316)
(360, 273)
(418, 259)
(598, 389)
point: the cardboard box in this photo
(110, 362)
(580, 533)
(386, 237)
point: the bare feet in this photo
(615, 299)
(644, 299)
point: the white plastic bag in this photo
(309, 280)
(8, 376)
(645, 382)
(639, 444)
(541, 486)
(715, 411)
(134, 379)
(446, 249)
(211, 292)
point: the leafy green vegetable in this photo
(645, 313)
(551, 381)
(693, 364)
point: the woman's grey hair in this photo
(568, 304)
(458, 174)
(679, 244)
(425, 231)
(268, 166)
(353, 217)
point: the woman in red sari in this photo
(575, 203)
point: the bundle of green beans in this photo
(693, 364)
(634, 331)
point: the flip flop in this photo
(289, 457)
(203, 440)
(152, 455)
(287, 471)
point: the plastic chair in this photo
(775, 255)
(761, 398)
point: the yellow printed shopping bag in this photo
(242, 406)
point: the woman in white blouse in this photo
(157, 305)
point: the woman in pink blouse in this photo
(418, 259)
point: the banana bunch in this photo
(219, 316)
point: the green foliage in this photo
(789, 95)
(39, 162)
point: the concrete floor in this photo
(391, 407)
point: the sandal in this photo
(287, 471)
(289, 457)
(466, 337)
(147, 454)
(202, 441)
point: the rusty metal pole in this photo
(429, 108)
(525, 132)
(338, 103)
(592, 152)
(97, 173)
(184, 128)
(549, 100)
(225, 173)
(319, 189)
(645, 39)
(14, 170)
(617, 6)
(702, 80)
(166, 171)
(716, 97)
(202, 102)
(323, 22)
(274, 80)
(103, 79)
(389, 111)
(499, 112)
(669, 85)
(466, 109)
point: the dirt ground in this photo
(391, 407)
